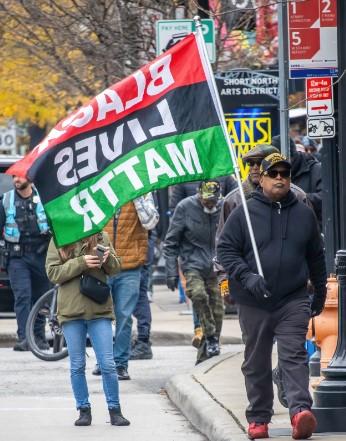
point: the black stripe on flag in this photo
(185, 115)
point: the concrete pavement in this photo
(212, 397)
(36, 401)
(212, 394)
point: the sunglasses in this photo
(275, 173)
(253, 162)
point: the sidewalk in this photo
(213, 398)
(172, 323)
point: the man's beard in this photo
(22, 186)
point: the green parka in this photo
(71, 303)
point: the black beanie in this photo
(276, 142)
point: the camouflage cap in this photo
(260, 151)
(209, 190)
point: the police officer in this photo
(24, 228)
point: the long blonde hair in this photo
(66, 252)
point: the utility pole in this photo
(283, 78)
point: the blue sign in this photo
(314, 73)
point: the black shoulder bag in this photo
(94, 288)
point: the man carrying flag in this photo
(277, 304)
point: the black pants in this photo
(29, 281)
(289, 326)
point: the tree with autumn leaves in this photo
(57, 54)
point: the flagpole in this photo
(230, 145)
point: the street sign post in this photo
(166, 29)
(319, 96)
(283, 75)
(323, 127)
(8, 140)
(312, 31)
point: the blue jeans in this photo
(101, 337)
(125, 293)
(182, 297)
(196, 321)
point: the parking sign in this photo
(8, 139)
(166, 30)
(323, 127)
(312, 32)
(319, 96)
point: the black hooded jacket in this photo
(307, 174)
(289, 245)
(191, 237)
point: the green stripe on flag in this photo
(86, 209)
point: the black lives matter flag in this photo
(157, 127)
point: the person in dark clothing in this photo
(25, 230)
(191, 238)
(141, 349)
(178, 193)
(306, 173)
(232, 200)
(276, 305)
(310, 146)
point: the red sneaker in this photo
(257, 431)
(303, 424)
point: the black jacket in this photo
(306, 173)
(191, 237)
(289, 245)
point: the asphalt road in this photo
(36, 400)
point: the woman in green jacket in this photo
(79, 316)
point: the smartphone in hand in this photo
(100, 250)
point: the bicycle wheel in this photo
(43, 314)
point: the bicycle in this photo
(45, 309)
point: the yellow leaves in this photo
(29, 93)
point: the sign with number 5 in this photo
(312, 32)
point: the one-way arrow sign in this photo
(317, 108)
(319, 96)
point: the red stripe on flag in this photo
(125, 97)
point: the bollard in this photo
(330, 394)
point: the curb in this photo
(206, 414)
